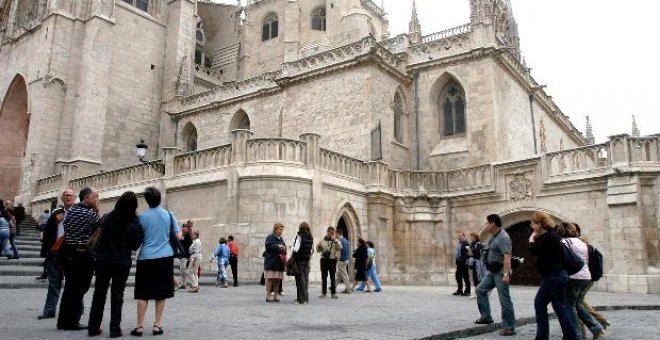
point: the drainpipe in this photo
(416, 109)
(531, 111)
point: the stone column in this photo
(312, 157)
(312, 160)
(239, 140)
(169, 153)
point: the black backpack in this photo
(595, 263)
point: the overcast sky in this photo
(594, 56)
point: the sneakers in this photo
(378, 290)
(359, 289)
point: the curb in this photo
(481, 330)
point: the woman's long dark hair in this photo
(126, 206)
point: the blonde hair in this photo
(544, 220)
(278, 225)
(474, 236)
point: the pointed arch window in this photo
(452, 107)
(398, 118)
(240, 121)
(189, 137)
(318, 19)
(270, 27)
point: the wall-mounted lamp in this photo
(141, 150)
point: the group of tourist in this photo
(334, 250)
(78, 243)
(565, 293)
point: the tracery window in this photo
(270, 27)
(452, 105)
(139, 4)
(398, 118)
(199, 33)
(318, 19)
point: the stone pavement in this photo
(242, 313)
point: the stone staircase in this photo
(21, 273)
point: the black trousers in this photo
(463, 275)
(233, 263)
(302, 282)
(105, 272)
(78, 271)
(328, 266)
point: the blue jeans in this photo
(577, 289)
(13, 244)
(373, 274)
(55, 277)
(222, 271)
(553, 290)
(4, 242)
(487, 284)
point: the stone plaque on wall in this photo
(519, 186)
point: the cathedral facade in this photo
(284, 111)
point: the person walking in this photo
(579, 283)
(4, 233)
(273, 263)
(475, 264)
(328, 247)
(302, 253)
(545, 244)
(154, 269)
(233, 258)
(342, 264)
(221, 253)
(54, 231)
(498, 263)
(361, 256)
(462, 271)
(183, 261)
(372, 269)
(78, 263)
(9, 216)
(121, 234)
(194, 262)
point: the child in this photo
(221, 252)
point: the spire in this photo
(635, 130)
(414, 27)
(590, 133)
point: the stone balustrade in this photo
(208, 75)
(369, 4)
(203, 160)
(340, 164)
(467, 179)
(586, 159)
(269, 150)
(466, 28)
(49, 183)
(120, 177)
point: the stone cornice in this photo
(366, 50)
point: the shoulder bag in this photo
(174, 240)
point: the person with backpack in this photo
(578, 283)
(545, 244)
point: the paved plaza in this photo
(397, 313)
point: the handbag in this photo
(571, 262)
(283, 258)
(95, 239)
(174, 240)
(292, 267)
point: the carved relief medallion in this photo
(520, 187)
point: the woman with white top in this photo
(194, 263)
(580, 282)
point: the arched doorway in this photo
(526, 274)
(14, 128)
(343, 226)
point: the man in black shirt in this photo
(79, 224)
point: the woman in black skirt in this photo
(154, 269)
(120, 235)
(361, 258)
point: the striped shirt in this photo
(79, 224)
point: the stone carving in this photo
(183, 83)
(542, 137)
(520, 187)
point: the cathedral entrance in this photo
(14, 127)
(343, 226)
(526, 274)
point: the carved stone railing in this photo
(467, 179)
(49, 183)
(467, 28)
(374, 8)
(634, 150)
(208, 75)
(202, 160)
(343, 165)
(124, 176)
(329, 57)
(581, 160)
(269, 150)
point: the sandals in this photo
(135, 332)
(157, 330)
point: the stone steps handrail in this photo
(200, 160)
(276, 150)
(466, 28)
(340, 164)
(49, 183)
(123, 176)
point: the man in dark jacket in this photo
(462, 270)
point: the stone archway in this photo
(345, 217)
(14, 128)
